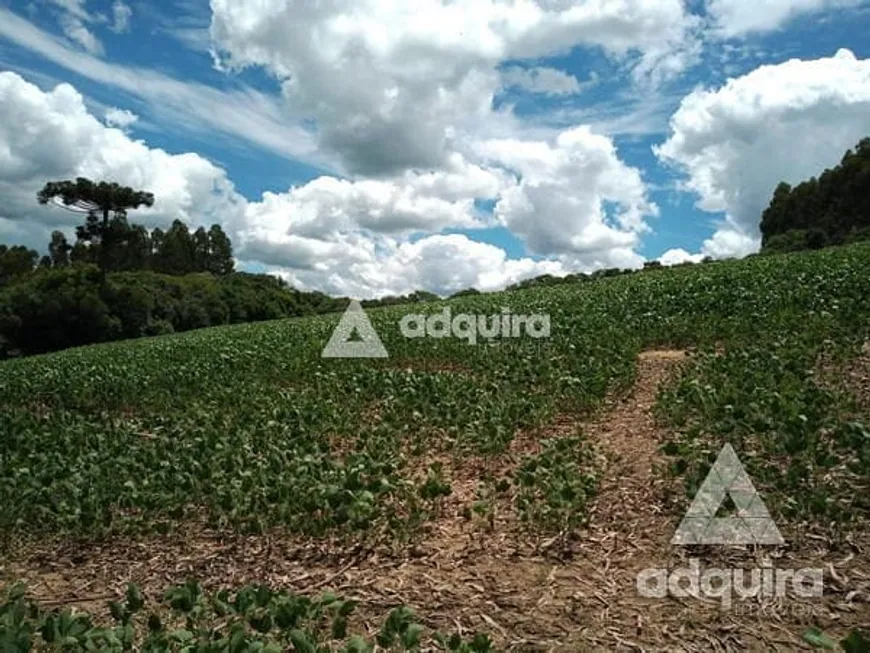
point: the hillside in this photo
(514, 487)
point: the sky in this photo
(376, 147)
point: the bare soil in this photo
(466, 576)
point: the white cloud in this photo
(679, 255)
(193, 108)
(121, 15)
(390, 84)
(330, 234)
(121, 118)
(575, 197)
(73, 8)
(330, 217)
(326, 207)
(444, 264)
(400, 96)
(73, 19)
(352, 238)
(541, 79)
(784, 122)
(51, 135)
(76, 31)
(736, 18)
(730, 241)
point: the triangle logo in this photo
(342, 344)
(751, 525)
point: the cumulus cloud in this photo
(574, 197)
(330, 234)
(444, 264)
(390, 84)
(784, 122)
(353, 222)
(121, 118)
(541, 79)
(325, 207)
(679, 255)
(51, 135)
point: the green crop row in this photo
(252, 619)
(248, 427)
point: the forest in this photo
(121, 280)
(831, 209)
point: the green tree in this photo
(220, 252)
(158, 236)
(101, 202)
(201, 250)
(176, 254)
(81, 253)
(138, 248)
(59, 250)
(16, 262)
(830, 209)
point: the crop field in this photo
(229, 489)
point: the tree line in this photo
(122, 280)
(831, 209)
(175, 251)
(108, 240)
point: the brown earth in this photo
(486, 575)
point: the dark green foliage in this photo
(64, 302)
(413, 298)
(16, 262)
(177, 253)
(106, 205)
(59, 250)
(54, 309)
(465, 293)
(220, 252)
(555, 486)
(107, 239)
(831, 209)
(87, 196)
(251, 619)
(69, 306)
(581, 277)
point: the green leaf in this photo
(301, 642)
(411, 636)
(817, 638)
(856, 642)
(117, 611)
(339, 627)
(134, 597)
(357, 644)
(181, 635)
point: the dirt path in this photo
(461, 577)
(628, 528)
(631, 529)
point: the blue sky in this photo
(443, 152)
